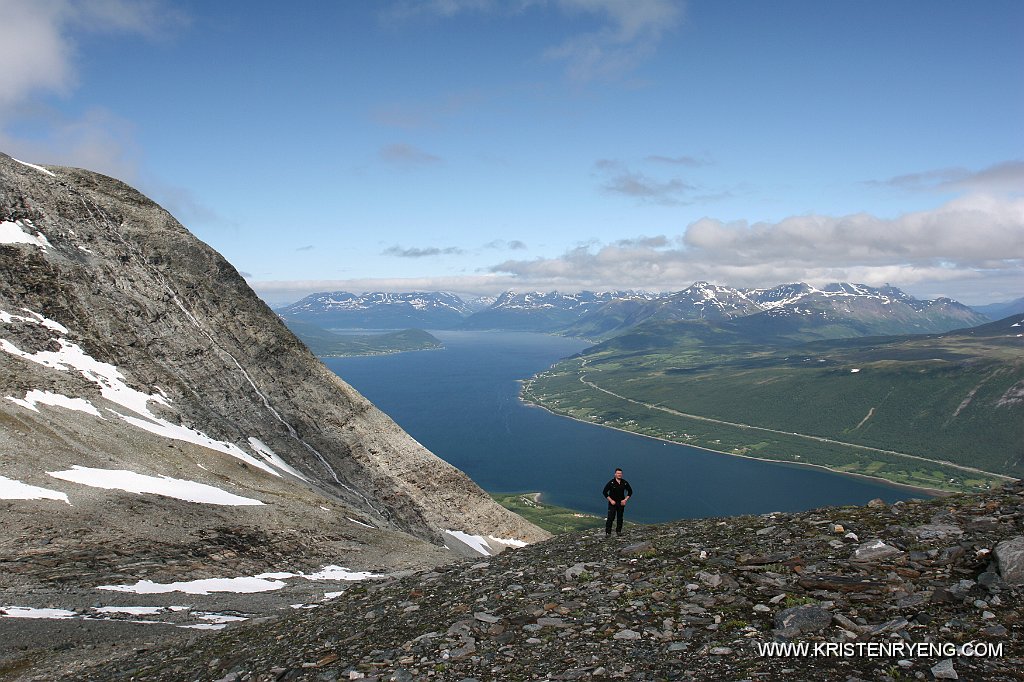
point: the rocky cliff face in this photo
(134, 357)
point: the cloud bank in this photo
(978, 237)
(970, 249)
(421, 253)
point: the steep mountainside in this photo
(379, 310)
(133, 357)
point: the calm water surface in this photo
(462, 403)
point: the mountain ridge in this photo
(862, 309)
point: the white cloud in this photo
(406, 154)
(38, 53)
(631, 33)
(972, 244)
(1007, 176)
(416, 252)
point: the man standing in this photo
(616, 491)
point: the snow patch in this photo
(129, 481)
(264, 582)
(14, 233)
(274, 459)
(32, 165)
(36, 318)
(204, 586)
(337, 573)
(507, 541)
(218, 617)
(35, 397)
(29, 612)
(855, 370)
(130, 610)
(475, 542)
(113, 388)
(11, 489)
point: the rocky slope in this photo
(913, 590)
(158, 421)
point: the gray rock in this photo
(709, 579)
(804, 618)
(1010, 560)
(626, 634)
(639, 548)
(943, 670)
(547, 622)
(874, 550)
(575, 571)
(486, 617)
(936, 531)
(962, 589)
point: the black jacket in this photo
(618, 490)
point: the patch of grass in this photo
(792, 600)
(549, 517)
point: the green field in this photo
(939, 411)
(550, 518)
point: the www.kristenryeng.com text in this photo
(878, 649)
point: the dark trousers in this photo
(614, 514)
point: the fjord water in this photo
(463, 404)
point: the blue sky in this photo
(479, 145)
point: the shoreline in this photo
(932, 492)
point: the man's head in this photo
(618, 474)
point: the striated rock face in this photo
(127, 344)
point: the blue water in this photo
(462, 404)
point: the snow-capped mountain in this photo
(379, 310)
(856, 308)
(859, 308)
(544, 312)
(867, 310)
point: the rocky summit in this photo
(913, 590)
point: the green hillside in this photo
(326, 344)
(924, 410)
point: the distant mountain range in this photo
(998, 311)
(837, 310)
(380, 310)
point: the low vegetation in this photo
(549, 517)
(938, 411)
(327, 344)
